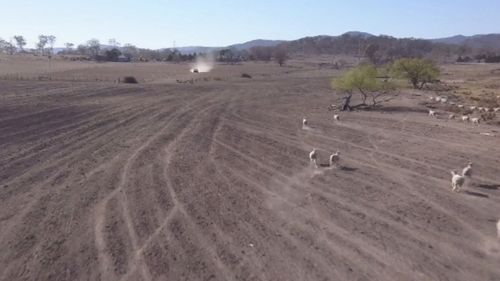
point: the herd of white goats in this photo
(465, 117)
(457, 179)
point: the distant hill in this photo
(480, 41)
(353, 41)
(197, 49)
(329, 43)
(255, 43)
(239, 47)
(456, 40)
(359, 34)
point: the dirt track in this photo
(211, 182)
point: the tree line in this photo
(383, 49)
(44, 46)
(114, 51)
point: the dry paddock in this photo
(210, 181)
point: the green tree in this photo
(367, 80)
(42, 42)
(418, 71)
(7, 47)
(69, 47)
(20, 42)
(113, 54)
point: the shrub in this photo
(130, 80)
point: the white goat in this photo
(457, 181)
(444, 100)
(465, 118)
(336, 117)
(467, 171)
(334, 159)
(498, 229)
(472, 108)
(451, 116)
(496, 109)
(475, 120)
(431, 98)
(432, 113)
(460, 106)
(313, 157)
(304, 121)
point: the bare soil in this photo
(211, 181)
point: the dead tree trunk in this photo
(346, 104)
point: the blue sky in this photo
(158, 23)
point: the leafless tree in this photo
(112, 42)
(129, 51)
(51, 39)
(94, 46)
(280, 55)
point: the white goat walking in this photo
(313, 157)
(467, 171)
(334, 159)
(432, 113)
(498, 229)
(457, 181)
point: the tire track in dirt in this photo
(61, 161)
(100, 210)
(170, 151)
(166, 153)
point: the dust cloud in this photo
(203, 64)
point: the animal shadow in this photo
(489, 186)
(348, 169)
(476, 194)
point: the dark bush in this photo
(245, 75)
(130, 80)
(113, 54)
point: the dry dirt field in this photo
(211, 180)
